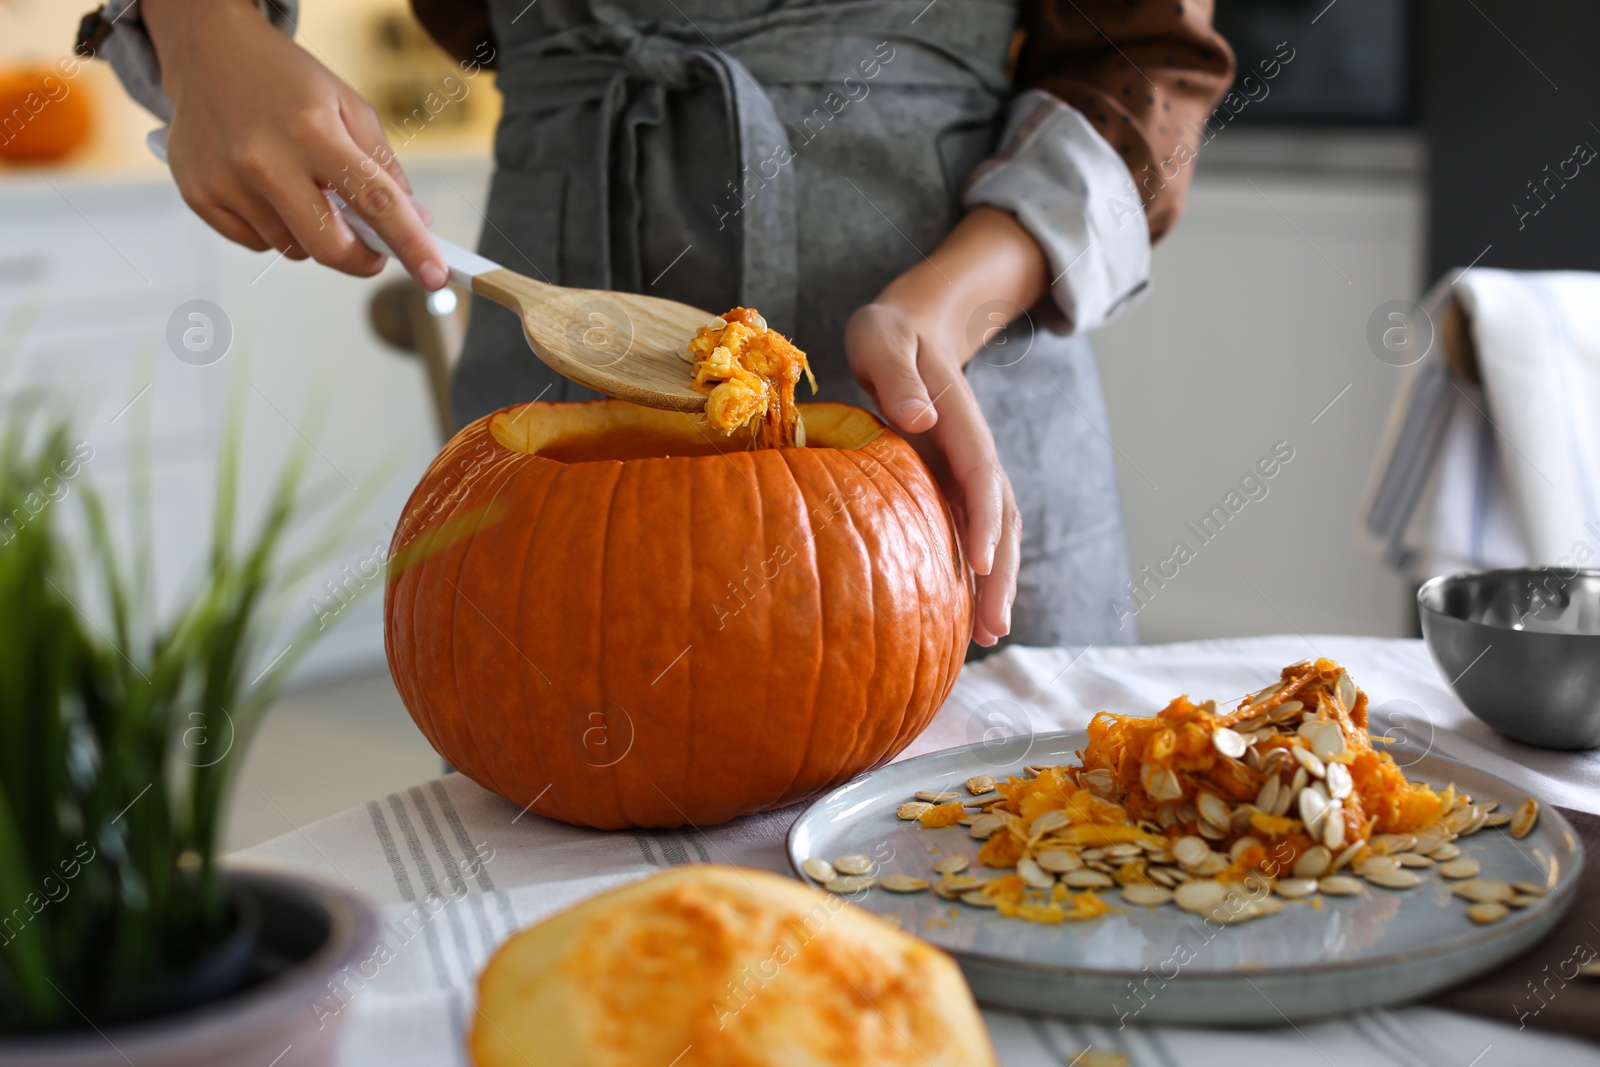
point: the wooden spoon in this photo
(624, 345)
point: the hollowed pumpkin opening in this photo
(614, 430)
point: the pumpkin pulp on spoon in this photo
(748, 373)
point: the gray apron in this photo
(793, 156)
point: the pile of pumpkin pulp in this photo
(1284, 792)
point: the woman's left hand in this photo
(907, 362)
(907, 349)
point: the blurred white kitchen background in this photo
(1310, 209)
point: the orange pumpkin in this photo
(608, 616)
(43, 115)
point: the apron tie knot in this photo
(660, 60)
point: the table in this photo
(492, 869)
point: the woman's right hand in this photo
(260, 129)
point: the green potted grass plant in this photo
(123, 938)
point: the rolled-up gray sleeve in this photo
(1074, 194)
(128, 49)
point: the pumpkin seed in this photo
(1058, 860)
(1268, 906)
(1212, 833)
(1294, 888)
(1199, 896)
(962, 882)
(978, 899)
(1350, 852)
(1229, 742)
(1333, 827)
(1285, 800)
(1214, 864)
(1308, 759)
(1241, 816)
(1239, 846)
(1312, 808)
(1466, 867)
(1326, 738)
(1287, 710)
(1262, 696)
(849, 884)
(1392, 879)
(1125, 848)
(903, 883)
(819, 869)
(1339, 885)
(1488, 805)
(1160, 783)
(1050, 820)
(1190, 851)
(1345, 690)
(986, 824)
(945, 892)
(1431, 839)
(1032, 874)
(913, 809)
(1163, 876)
(980, 784)
(954, 863)
(1483, 914)
(1091, 855)
(1389, 844)
(1498, 819)
(1411, 859)
(1445, 852)
(1267, 796)
(1100, 780)
(1526, 818)
(1301, 779)
(1340, 784)
(1146, 895)
(1376, 863)
(1214, 810)
(854, 863)
(1313, 862)
(1483, 890)
(1086, 879)
(936, 796)
(1529, 889)
(1519, 901)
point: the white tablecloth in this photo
(494, 869)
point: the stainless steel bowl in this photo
(1521, 648)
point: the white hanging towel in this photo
(1509, 474)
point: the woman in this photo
(888, 181)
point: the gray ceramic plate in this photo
(1164, 965)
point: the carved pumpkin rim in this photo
(599, 431)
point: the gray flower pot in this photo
(310, 933)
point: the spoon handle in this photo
(464, 264)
